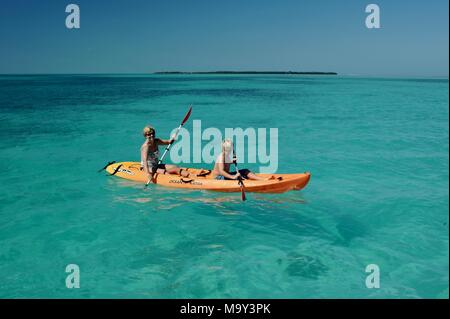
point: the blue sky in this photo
(141, 36)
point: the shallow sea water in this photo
(377, 150)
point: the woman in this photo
(150, 155)
(222, 166)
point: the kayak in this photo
(206, 181)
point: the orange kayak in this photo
(280, 184)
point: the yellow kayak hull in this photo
(282, 182)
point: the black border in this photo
(279, 308)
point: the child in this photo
(222, 166)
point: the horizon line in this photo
(237, 73)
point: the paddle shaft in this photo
(168, 146)
(240, 179)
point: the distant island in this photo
(248, 72)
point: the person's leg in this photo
(249, 175)
(161, 171)
(252, 176)
(173, 169)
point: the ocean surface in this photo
(377, 149)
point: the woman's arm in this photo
(221, 170)
(163, 142)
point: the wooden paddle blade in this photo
(241, 183)
(188, 114)
(106, 166)
(243, 194)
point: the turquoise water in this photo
(377, 150)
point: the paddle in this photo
(186, 117)
(106, 166)
(240, 179)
